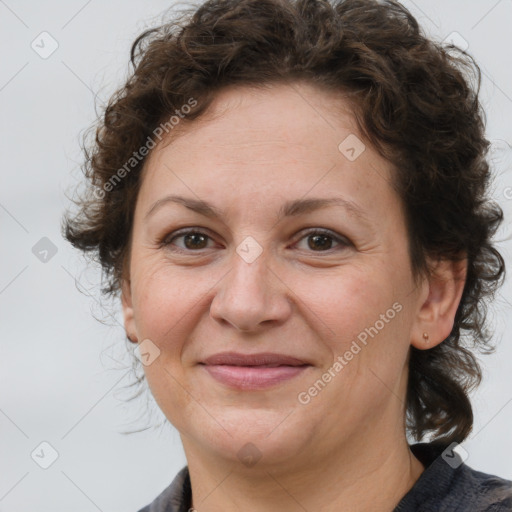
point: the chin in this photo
(252, 439)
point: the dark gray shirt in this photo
(446, 485)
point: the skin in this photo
(346, 449)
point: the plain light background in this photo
(62, 371)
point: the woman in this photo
(290, 199)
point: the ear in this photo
(443, 291)
(129, 319)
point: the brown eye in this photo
(192, 240)
(319, 242)
(322, 241)
(195, 241)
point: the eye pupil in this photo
(325, 242)
(196, 239)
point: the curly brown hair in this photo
(414, 99)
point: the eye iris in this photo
(196, 239)
(324, 242)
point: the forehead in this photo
(282, 140)
(289, 113)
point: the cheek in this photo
(366, 321)
(165, 307)
(348, 300)
(163, 296)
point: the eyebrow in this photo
(289, 209)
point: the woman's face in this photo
(270, 269)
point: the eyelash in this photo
(167, 241)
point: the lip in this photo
(260, 359)
(253, 371)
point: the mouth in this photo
(253, 371)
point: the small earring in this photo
(425, 337)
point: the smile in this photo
(253, 377)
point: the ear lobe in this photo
(128, 315)
(436, 315)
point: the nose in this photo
(251, 296)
